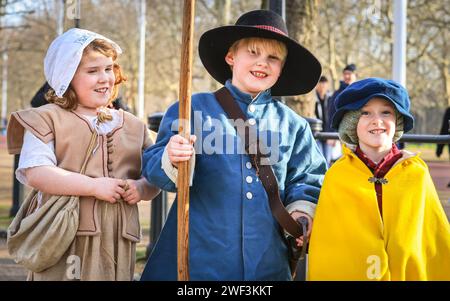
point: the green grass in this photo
(428, 146)
(140, 258)
(428, 151)
(140, 252)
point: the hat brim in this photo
(300, 73)
(408, 122)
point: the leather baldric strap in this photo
(264, 171)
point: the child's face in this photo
(376, 126)
(94, 80)
(254, 70)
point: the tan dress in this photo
(105, 245)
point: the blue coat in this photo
(232, 234)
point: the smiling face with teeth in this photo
(256, 65)
(93, 82)
(376, 126)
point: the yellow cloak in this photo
(350, 240)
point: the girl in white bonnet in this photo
(81, 68)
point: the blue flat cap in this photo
(356, 95)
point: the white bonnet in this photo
(64, 55)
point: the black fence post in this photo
(158, 213)
(159, 203)
(316, 127)
(18, 190)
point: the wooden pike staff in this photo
(184, 130)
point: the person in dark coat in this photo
(444, 131)
(39, 98)
(321, 112)
(348, 77)
(118, 103)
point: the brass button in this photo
(110, 161)
(110, 150)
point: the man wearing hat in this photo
(233, 234)
(379, 216)
(348, 77)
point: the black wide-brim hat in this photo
(301, 71)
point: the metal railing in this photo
(316, 128)
(417, 138)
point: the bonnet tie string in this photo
(103, 115)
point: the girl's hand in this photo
(297, 214)
(108, 189)
(180, 149)
(132, 191)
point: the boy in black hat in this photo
(379, 216)
(233, 234)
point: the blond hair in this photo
(255, 44)
(69, 100)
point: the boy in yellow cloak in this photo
(378, 216)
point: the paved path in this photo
(440, 172)
(9, 270)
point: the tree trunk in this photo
(223, 9)
(332, 61)
(301, 17)
(446, 82)
(445, 69)
(264, 4)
